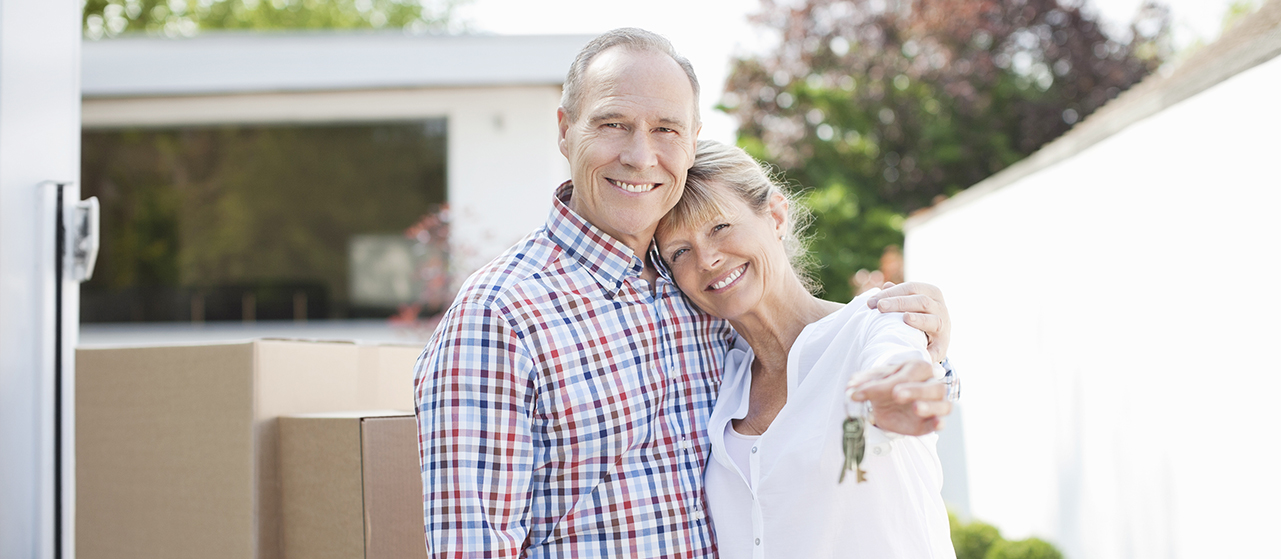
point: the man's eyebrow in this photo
(606, 116)
(672, 122)
(665, 121)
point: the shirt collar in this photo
(659, 264)
(607, 259)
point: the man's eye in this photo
(613, 125)
(666, 130)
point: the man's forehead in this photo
(619, 75)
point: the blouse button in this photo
(758, 541)
(753, 450)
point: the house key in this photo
(853, 444)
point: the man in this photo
(563, 400)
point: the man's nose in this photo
(639, 153)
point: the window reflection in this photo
(282, 222)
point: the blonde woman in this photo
(777, 483)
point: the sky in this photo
(711, 32)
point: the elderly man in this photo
(563, 401)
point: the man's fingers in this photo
(909, 303)
(905, 289)
(927, 323)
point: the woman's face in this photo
(728, 264)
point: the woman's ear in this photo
(778, 206)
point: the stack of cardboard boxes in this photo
(247, 450)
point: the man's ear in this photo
(562, 122)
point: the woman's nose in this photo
(710, 257)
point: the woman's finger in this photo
(932, 408)
(904, 393)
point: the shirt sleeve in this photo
(890, 341)
(473, 396)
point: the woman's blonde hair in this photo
(740, 175)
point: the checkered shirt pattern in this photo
(562, 407)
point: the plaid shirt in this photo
(562, 408)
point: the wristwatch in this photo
(952, 381)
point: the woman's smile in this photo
(728, 279)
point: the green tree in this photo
(109, 18)
(879, 107)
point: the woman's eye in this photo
(676, 253)
(719, 227)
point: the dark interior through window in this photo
(280, 222)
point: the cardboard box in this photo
(351, 487)
(176, 447)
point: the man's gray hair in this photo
(628, 37)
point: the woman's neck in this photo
(773, 326)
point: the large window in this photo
(260, 222)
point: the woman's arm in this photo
(923, 308)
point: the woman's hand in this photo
(906, 398)
(925, 311)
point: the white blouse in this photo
(787, 503)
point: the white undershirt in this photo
(739, 448)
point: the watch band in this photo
(952, 380)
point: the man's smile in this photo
(634, 187)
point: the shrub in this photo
(1031, 548)
(980, 540)
(972, 540)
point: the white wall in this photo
(39, 141)
(503, 163)
(1117, 317)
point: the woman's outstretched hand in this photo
(906, 398)
(925, 311)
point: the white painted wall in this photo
(39, 141)
(1117, 316)
(503, 163)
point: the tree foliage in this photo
(108, 18)
(881, 106)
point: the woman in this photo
(776, 485)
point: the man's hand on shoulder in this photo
(923, 308)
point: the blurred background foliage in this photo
(979, 540)
(881, 107)
(109, 18)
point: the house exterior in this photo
(1116, 316)
(496, 94)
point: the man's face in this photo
(632, 143)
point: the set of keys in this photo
(854, 441)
